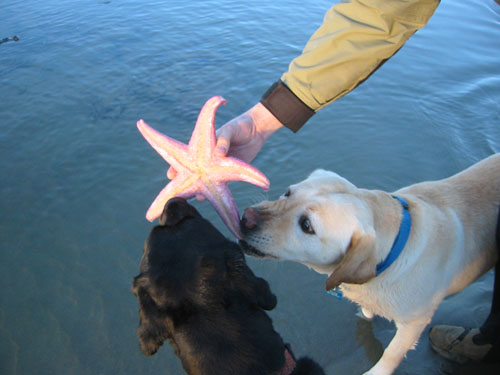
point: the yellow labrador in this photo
(348, 233)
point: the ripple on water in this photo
(467, 113)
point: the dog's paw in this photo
(379, 369)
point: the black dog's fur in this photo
(195, 289)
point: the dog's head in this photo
(321, 222)
(189, 269)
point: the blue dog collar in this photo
(401, 238)
(397, 246)
(335, 292)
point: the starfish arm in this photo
(219, 195)
(174, 152)
(199, 171)
(203, 140)
(232, 169)
(179, 187)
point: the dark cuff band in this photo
(286, 107)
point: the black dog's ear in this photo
(142, 285)
(152, 330)
(139, 280)
(265, 298)
(255, 288)
(175, 210)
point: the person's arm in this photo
(356, 37)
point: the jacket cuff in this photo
(286, 106)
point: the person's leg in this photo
(490, 330)
(481, 344)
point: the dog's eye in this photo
(287, 194)
(305, 225)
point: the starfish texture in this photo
(200, 170)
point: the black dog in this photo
(196, 290)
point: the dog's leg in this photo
(365, 314)
(406, 338)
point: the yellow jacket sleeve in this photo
(356, 37)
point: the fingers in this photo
(223, 141)
(222, 146)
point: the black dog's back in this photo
(196, 291)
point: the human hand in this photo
(243, 136)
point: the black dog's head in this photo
(194, 287)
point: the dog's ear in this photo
(359, 263)
(265, 298)
(142, 285)
(152, 330)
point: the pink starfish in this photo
(200, 170)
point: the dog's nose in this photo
(250, 218)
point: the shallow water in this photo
(77, 177)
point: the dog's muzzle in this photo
(249, 220)
(250, 250)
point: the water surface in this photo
(76, 177)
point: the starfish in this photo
(199, 170)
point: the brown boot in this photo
(457, 343)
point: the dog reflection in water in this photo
(196, 291)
